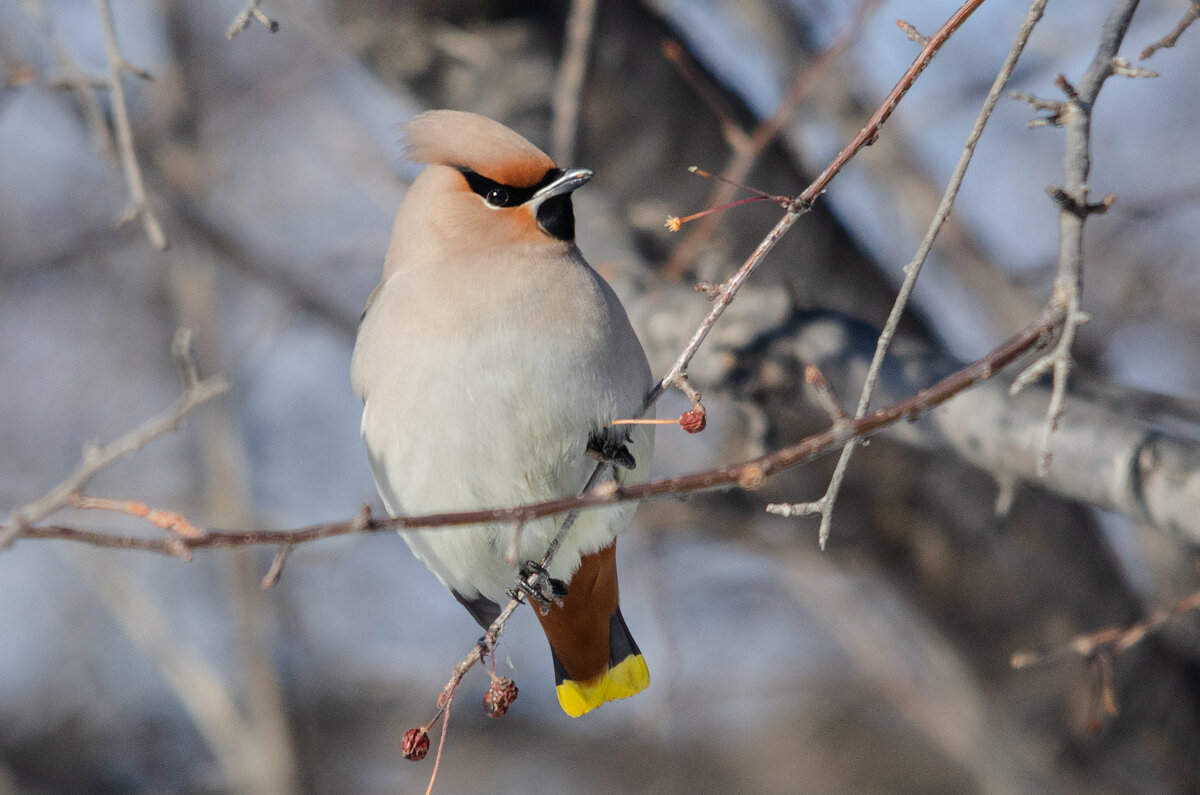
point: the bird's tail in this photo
(596, 659)
(624, 675)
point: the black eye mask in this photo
(499, 195)
(555, 215)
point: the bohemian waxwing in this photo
(491, 360)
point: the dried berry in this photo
(500, 697)
(694, 419)
(415, 744)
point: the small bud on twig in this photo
(913, 34)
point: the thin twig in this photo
(437, 759)
(580, 24)
(74, 78)
(250, 12)
(1172, 38)
(748, 147)
(824, 506)
(1074, 211)
(1114, 639)
(827, 401)
(95, 457)
(275, 571)
(117, 66)
(731, 130)
(824, 395)
(871, 129)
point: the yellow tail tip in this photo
(626, 678)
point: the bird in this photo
(492, 362)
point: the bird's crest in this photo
(457, 138)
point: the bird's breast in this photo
(508, 373)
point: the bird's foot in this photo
(542, 590)
(611, 447)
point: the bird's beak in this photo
(570, 180)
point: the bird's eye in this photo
(497, 197)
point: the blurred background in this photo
(879, 665)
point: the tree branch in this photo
(117, 66)
(748, 147)
(580, 24)
(95, 457)
(1075, 116)
(246, 15)
(1099, 649)
(1172, 38)
(1108, 456)
(746, 474)
(1113, 640)
(73, 77)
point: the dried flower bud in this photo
(415, 744)
(694, 419)
(500, 697)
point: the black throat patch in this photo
(556, 217)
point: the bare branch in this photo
(869, 131)
(1057, 109)
(95, 457)
(569, 84)
(1122, 68)
(1109, 453)
(250, 12)
(117, 65)
(1172, 38)
(1100, 649)
(828, 402)
(77, 81)
(1074, 210)
(1111, 641)
(747, 147)
(275, 571)
(824, 395)
(734, 135)
(746, 474)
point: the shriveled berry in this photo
(500, 697)
(693, 420)
(415, 744)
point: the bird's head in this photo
(485, 183)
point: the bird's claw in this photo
(542, 590)
(611, 448)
